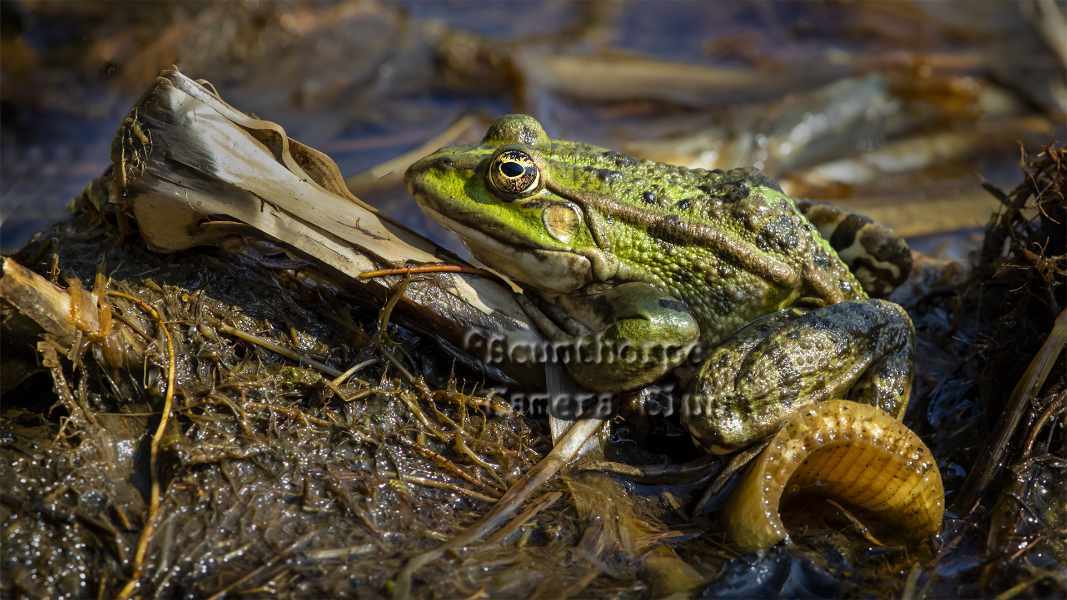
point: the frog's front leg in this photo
(622, 338)
(750, 383)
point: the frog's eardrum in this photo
(847, 451)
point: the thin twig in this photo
(340, 379)
(442, 462)
(1058, 404)
(341, 553)
(278, 349)
(387, 310)
(524, 517)
(444, 485)
(419, 269)
(856, 522)
(157, 438)
(692, 471)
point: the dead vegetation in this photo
(314, 446)
(1019, 294)
(275, 473)
(316, 443)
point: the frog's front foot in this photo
(620, 339)
(752, 382)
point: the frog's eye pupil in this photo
(512, 174)
(512, 169)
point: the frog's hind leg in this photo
(860, 350)
(879, 258)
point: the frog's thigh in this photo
(642, 335)
(860, 350)
(875, 254)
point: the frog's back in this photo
(729, 243)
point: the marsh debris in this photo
(274, 474)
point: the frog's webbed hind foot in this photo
(875, 254)
(860, 350)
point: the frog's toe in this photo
(850, 452)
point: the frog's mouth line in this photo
(465, 231)
(552, 270)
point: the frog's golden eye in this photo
(513, 174)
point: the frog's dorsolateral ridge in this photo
(634, 259)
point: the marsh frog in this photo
(633, 256)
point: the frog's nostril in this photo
(512, 169)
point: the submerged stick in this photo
(278, 349)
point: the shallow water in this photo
(362, 82)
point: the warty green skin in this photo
(639, 252)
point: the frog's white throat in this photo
(546, 270)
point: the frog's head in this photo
(497, 196)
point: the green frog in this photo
(635, 262)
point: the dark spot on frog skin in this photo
(727, 189)
(733, 193)
(758, 178)
(724, 361)
(779, 234)
(607, 175)
(722, 271)
(649, 197)
(527, 136)
(766, 241)
(683, 204)
(716, 298)
(620, 159)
